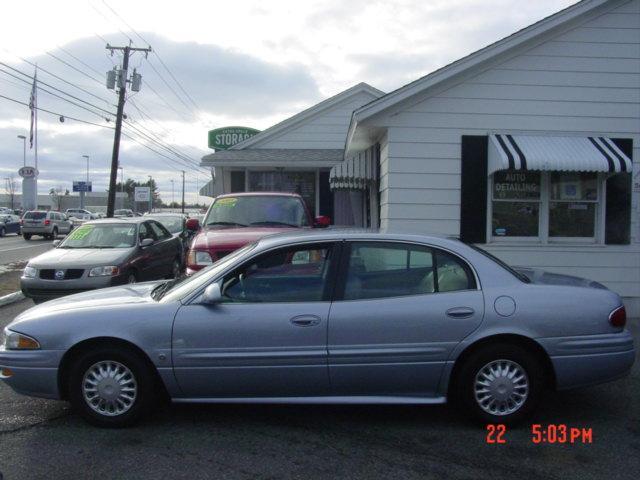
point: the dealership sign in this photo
(223, 138)
(28, 172)
(81, 186)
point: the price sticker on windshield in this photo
(226, 202)
(81, 232)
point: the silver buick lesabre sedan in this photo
(325, 317)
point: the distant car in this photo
(5, 211)
(123, 212)
(176, 224)
(80, 218)
(326, 317)
(236, 219)
(80, 213)
(102, 253)
(45, 223)
(9, 223)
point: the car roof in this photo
(260, 194)
(333, 234)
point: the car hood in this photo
(80, 257)
(130, 294)
(541, 277)
(232, 238)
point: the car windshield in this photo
(183, 286)
(257, 210)
(35, 215)
(107, 235)
(520, 276)
(173, 224)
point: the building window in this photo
(545, 206)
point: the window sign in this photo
(512, 185)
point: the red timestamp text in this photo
(544, 434)
(560, 433)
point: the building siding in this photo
(583, 81)
(328, 129)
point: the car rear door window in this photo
(159, 230)
(297, 274)
(386, 269)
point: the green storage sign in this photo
(223, 138)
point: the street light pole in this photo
(83, 192)
(172, 190)
(150, 194)
(24, 149)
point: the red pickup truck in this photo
(236, 219)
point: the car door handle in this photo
(460, 312)
(305, 320)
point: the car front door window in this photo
(296, 274)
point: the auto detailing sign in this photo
(223, 138)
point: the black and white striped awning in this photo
(355, 173)
(576, 154)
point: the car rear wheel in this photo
(54, 234)
(26, 236)
(500, 384)
(111, 387)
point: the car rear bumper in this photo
(590, 359)
(33, 373)
(37, 230)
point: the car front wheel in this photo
(111, 388)
(500, 384)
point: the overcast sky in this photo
(250, 63)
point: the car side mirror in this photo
(145, 242)
(212, 294)
(193, 224)
(322, 221)
(56, 242)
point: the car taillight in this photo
(47, 221)
(618, 318)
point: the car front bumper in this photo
(31, 372)
(590, 359)
(48, 289)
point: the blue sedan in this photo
(9, 224)
(325, 317)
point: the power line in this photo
(80, 61)
(54, 94)
(54, 88)
(66, 81)
(56, 113)
(82, 72)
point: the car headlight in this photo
(199, 257)
(108, 271)
(17, 341)
(29, 272)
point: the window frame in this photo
(543, 236)
(341, 280)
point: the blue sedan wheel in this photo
(499, 383)
(111, 386)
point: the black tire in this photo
(132, 277)
(464, 385)
(38, 300)
(54, 233)
(143, 380)
(3, 232)
(26, 236)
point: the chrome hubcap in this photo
(109, 388)
(501, 387)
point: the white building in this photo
(562, 89)
(526, 147)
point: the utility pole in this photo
(182, 191)
(122, 89)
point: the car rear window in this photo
(35, 215)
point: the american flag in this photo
(33, 106)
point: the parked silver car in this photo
(45, 223)
(324, 317)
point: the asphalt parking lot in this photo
(44, 439)
(14, 248)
